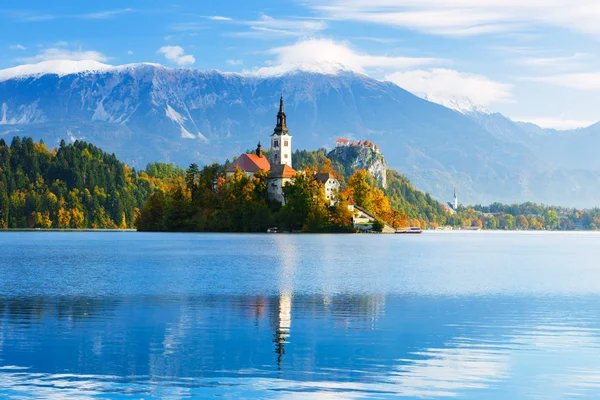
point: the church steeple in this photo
(281, 140)
(281, 127)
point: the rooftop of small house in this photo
(282, 171)
(323, 177)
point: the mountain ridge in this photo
(149, 113)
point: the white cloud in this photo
(447, 84)
(129, 52)
(575, 61)
(267, 27)
(235, 62)
(328, 56)
(106, 14)
(468, 17)
(17, 47)
(558, 123)
(589, 81)
(176, 54)
(55, 53)
(61, 43)
(219, 18)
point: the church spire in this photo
(281, 127)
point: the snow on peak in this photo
(461, 104)
(58, 67)
(316, 67)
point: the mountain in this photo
(146, 112)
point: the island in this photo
(347, 189)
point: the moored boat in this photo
(409, 230)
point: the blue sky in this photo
(534, 60)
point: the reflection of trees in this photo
(71, 308)
(162, 335)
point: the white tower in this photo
(455, 202)
(281, 140)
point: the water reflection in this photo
(267, 346)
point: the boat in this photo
(409, 230)
(274, 230)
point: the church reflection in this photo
(282, 313)
(281, 310)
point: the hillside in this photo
(145, 112)
(74, 186)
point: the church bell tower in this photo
(281, 140)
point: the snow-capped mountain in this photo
(461, 104)
(146, 112)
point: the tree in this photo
(551, 219)
(378, 225)
(360, 189)
(507, 222)
(522, 222)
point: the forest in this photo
(74, 186)
(78, 186)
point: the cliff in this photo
(353, 158)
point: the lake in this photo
(467, 315)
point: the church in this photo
(279, 167)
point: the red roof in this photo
(342, 140)
(282, 171)
(250, 163)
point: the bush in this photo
(378, 225)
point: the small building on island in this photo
(331, 184)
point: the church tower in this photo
(455, 201)
(281, 140)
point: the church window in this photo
(276, 143)
(285, 155)
(285, 143)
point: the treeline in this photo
(74, 186)
(209, 201)
(529, 216)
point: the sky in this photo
(534, 60)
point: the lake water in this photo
(468, 315)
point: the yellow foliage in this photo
(64, 218)
(77, 219)
(123, 224)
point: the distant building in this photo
(250, 163)
(454, 204)
(279, 168)
(281, 140)
(278, 177)
(341, 142)
(455, 201)
(332, 185)
(351, 205)
(281, 159)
